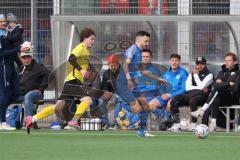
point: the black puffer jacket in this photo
(15, 35)
(33, 76)
(227, 76)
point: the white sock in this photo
(205, 107)
(34, 119)
(214, 120)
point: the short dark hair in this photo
(234, 57)
(142, 33)
(147, 50)
(175, 55)
(85, 33)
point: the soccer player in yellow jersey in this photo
(79, 72)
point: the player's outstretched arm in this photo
(152, 76)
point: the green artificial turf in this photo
(111, 145)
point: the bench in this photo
(37, 103)
(236, 109)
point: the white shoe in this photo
(238, 128)
(149, 135)
(197, 113)
(192, 127)
(70, 128)
(6, 127)
(175, 127)
(114, 128)
(1, 127)
(212, 127)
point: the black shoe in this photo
(163, 126)
(35, 126)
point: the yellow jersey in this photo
(82, 54)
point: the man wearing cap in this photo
(110, 75)
(109, 82)
(225, 92)
(9, 89)
(198, 87)
(33, 80)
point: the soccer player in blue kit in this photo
(130, 70)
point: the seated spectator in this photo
(198, 87)
(33, 80)
(176, 77)
(109, 83)
(225, 92)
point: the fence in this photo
(34, 15)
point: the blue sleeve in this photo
(158, 73)
(4, 52)
(183, 85)
(130, 52)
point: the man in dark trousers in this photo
(9, 90)
(198, 87)
(33, 80)
(225, 92)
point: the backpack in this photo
(14, 116)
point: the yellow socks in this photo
(81, 108)
(47, 111)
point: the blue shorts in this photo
(146, 92)
(122, 89)
(128, 108)
(162, 101)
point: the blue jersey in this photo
(146, 83)
(134, 53)
(147, 86)
(176, 81)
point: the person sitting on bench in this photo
(33, 80)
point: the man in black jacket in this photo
(33, 80)
(225, 92)
(198, 87)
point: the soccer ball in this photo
(202, 131)
(122, 120)
(184, 124)
(28, 44)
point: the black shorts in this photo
(64, 95)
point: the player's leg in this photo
(47, 111)
(81, 109)
(210, 99)
(194, 102)
(156, 105)
(143, 115)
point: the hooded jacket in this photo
(33, 76)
